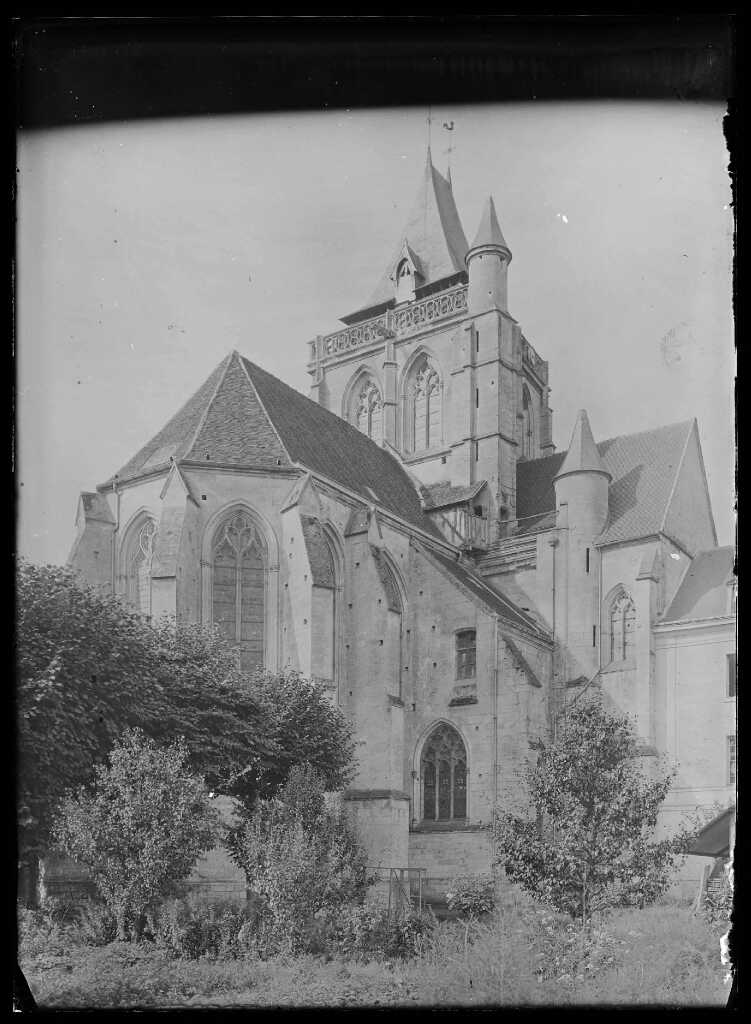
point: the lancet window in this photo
(368, 409)
(622, 628)
(426, 407)
(138, 565)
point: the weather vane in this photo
(449, 127)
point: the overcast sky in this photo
(147, 250)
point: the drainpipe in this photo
(553, 542)
(115, 533)
(495, 722)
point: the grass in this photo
(658, 956)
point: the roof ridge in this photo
(244, 367)
(202, 419)
(684, 449)
(609, 440)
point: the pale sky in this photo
(148, 249)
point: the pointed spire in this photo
(582, 455)
(489, 232)
(435, 234)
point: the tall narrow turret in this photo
(582, 482)
(487, 265)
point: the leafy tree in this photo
(87, 668)
(591, 842)
(140, 828)
(301, 859)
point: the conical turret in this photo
(487, 264)
(582, 482)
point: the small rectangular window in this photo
(732, 676)
(731, 760)
(587, 559)
(594, 636)
(477, 398)
(466, 653)
(477, 451)
(477, 341)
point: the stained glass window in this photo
(239, 585)
(622, 628)
(443, 770)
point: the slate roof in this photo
(443, 493)
(492, 599)
(433, 232)
(489, 232)
(243, 416)
(643, 468)
(703, 591)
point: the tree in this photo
(140, 828)
(591, 843)
(301, 858)
(87, 668)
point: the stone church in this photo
(409, 536)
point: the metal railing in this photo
(405, 888)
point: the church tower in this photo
(434, 367)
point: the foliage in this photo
(88, 668)
(190, 929)
(301, 859)
(660, 955)
(141, 827)
(591, 845)
(472, 895)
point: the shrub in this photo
(191, 930)
(472, 895)
(142, 827)
(302, 861)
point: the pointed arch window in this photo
(528, 425)
(443, 769)
(622, 628)
(367, 409)
(426, 402)
(139, 557)
(238, 588)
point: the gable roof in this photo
(703, 591)
(643, 469)
(243, 416)
(433, 232)
(493, 600)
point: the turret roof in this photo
(582, 455)
(489, 232)
(433, 232)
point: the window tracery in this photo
(443, 767)
(426, 406)
(238, 588)
(138, 567)
(369, 410)
(622, 628)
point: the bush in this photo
(367, 933)
(141, 828)
(472, 895)
(191, 930)
(302, 861)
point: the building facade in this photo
(408, 536)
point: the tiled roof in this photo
(443, 493)
(433, 232)
(703, 591)
(326, 444)
(491, 598)
(643, 468)
(242, 416)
